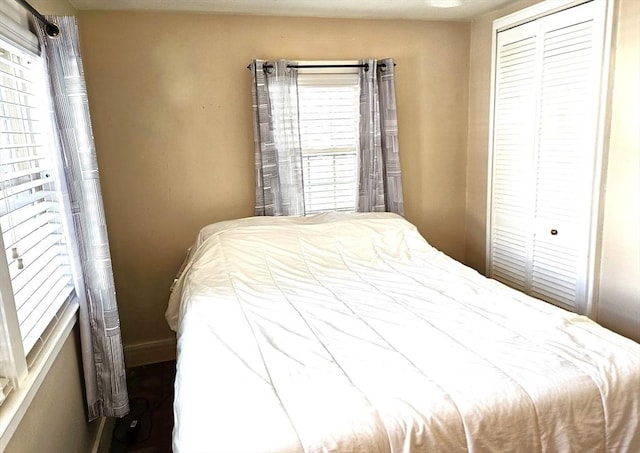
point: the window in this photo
(329, 112)
(35, 271)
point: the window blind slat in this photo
(32, 199)
(25, 213)
(31, 266)
(30, 209)
(7, 176)
(329, 121)
(46, 267)
(29, 241)
(5, 388)
(40, 317)
(23, 230)
(12, 191)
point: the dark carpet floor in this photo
(147, 428)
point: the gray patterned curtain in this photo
(102, 354)
(380, 182)
(278, 156)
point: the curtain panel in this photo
(99, 323)
(380, 181)
(278, 154)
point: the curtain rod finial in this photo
(52, 30)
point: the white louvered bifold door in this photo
(513, 146)
(571, 59)
(544, 148)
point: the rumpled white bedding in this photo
(349, 333)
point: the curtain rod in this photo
(298, 66)
(49, 27)
(305, 66)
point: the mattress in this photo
(350, 333)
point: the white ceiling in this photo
(461, 10)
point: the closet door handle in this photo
(554, 232)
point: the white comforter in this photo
(349, 333)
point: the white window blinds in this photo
(329, 120)
(30, 206)
(4, 389)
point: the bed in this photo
(350, 333)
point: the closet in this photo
(545, 156)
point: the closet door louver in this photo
(512, 156)
(565, 155)
(544, 147)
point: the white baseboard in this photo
(150, 352)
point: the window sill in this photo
(18, 401)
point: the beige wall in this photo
(171, 106)
(619, 306)
(619, 297)
(56, 7)
(56, 421)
